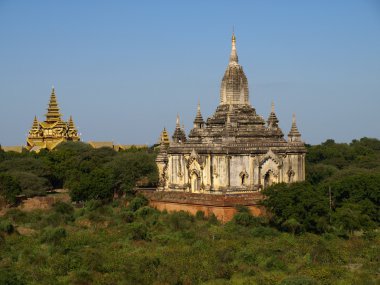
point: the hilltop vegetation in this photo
(89, 173)
(321, 231)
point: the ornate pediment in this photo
(270, 155)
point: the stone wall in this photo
(222, 206)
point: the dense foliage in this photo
(88, 173)
(321, 231)
(341, 194)
(114, 244)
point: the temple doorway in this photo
(268, 179)
(195, 183)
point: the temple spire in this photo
(35, 123)
(272, 119)
(294, 135)
(179, 135)
(234, 87)
(164, 138)
(233, 56)
(71, 123)
(53, 114)
(198, 121)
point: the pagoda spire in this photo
(272, 120)
(53, 114)
(198, 121)
(72, 130)
(35, 124)
(233, 57)
(294, 135)
(179, 134)
(164, 137)
(234, 87)
(71, 124)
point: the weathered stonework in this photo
(235, 150)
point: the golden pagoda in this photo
(164, 138)
(51, 132)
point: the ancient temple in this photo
(53, 130)
(233, 151)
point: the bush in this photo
(53, 235)
(6, 227)
(242, 219)
(9, 188)
(180, 220)
(63, 208)
(98, 184)
(146, 211)
(137, 203)
(264, 232)
(138, 231)
(8, 276)
(127, 216)
(200, 215)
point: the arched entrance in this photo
(195, 183)
(268, 179)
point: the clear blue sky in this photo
(124, 69)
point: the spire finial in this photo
(177, 124)
(233, 56)
(294, 118)
(272, 108)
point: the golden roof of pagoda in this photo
(53, 113)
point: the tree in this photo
(298, 201)
(9, 188)
(98, 184)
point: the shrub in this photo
(200, 215)
(63, 208)
(9, 188)
(6, 227)
(180, 220)
(138, 231)
(146, 211)
(263, 232)
(8, 276)
(53, 235)
(242, 209)
(92, 205)
(137, 203)
(127, 216)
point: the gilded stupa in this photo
(51, 132)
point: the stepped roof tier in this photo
(235, 123)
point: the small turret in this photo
(179, 135)
(164, 138)
(35, 128)
(272, 119)
(294, 135)
(72, 130)
(198, 121)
